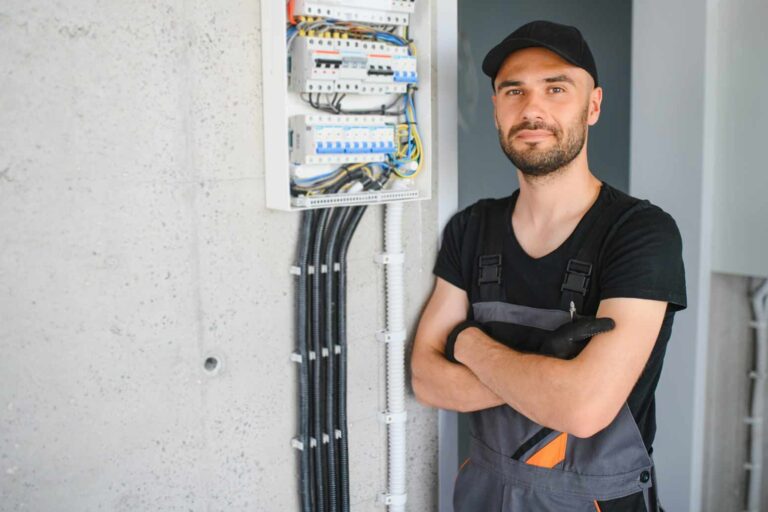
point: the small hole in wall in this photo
(211, 364)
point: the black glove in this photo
(450, 344)
(568, 340)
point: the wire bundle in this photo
(324, 240)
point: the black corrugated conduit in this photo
(302, 312)
(320, 329)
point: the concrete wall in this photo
(134, 244)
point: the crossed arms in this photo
(580, 396)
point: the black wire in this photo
(302, 312)
(317, 377)
(354, 214)
(330, 344)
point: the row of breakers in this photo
(319, 64)
(327, 139)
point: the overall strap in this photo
(493, 228)
(581, 271)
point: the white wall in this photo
(134, 243)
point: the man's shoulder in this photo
(647, 217)
(479, 208)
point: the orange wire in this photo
(291, 19)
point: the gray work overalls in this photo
(514, 463)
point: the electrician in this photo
(553, 306)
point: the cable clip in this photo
(758, 325)
(385, 336)
(310, 269)
(296, 271)
(392, 499)
(337, 433)
(387, 258)
(298, 445)
(296, 357)
(393, 417)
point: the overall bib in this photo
(515, 464)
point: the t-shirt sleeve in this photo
(644, 260)
(449, 263)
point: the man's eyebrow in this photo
(552, 79)
(560, 78)
(508, 83)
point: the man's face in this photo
(543, 105)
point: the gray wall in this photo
(134, 243)
(669, 167)
(484, 170)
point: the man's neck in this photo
(559, 197)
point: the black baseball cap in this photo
(564, 40)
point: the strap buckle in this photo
(577, 275)
(490, 269)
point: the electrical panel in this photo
(384, 12)
(345, 121)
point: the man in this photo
(557, 424)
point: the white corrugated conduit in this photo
(394, 336)
(756, 418)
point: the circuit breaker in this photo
(346, 97)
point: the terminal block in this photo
(382, 12)
(350, 66)
(334, 139)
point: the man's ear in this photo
(595, 100)
(495, 121)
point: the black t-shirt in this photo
(643, 259)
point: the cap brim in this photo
(498, 54)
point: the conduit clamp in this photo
(296, 357)
(310, 269)
(392, 499)
(758, 325)
(393, 417)
(337, 433)
(299, 445)
(751, 420)
(337, 349)
(757, 375)
(390, 258)
(323, 268)
(385, 336)
(336, 266)
(326, 438)
(312, 355)
(296, 271)
(325, 352)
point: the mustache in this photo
(531, 126)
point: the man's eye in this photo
(556, 89)
(514, 92)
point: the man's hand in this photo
(568, 340)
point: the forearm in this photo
(440, 383)
(544, 389)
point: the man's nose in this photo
(532, 108)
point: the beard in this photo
(533, 161)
